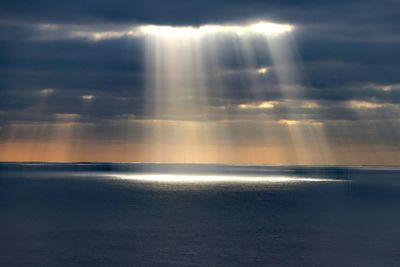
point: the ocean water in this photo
(198, 215)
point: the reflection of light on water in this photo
(217, 179)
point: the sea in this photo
(119, 214)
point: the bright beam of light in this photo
(178, 60)
(217, 179)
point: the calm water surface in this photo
(198, 215)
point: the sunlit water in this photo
(198, 215)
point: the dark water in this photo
(121, 215)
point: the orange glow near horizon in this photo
(122, 152)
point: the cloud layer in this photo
(83, 63)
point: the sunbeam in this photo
(180, 85)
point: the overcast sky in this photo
(54, 70)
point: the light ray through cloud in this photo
(176, 60)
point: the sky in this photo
(75, 83)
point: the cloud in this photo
(86, 59)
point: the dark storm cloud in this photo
(69, 63)
(192, 12)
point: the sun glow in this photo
(264, 28)
(262, 70)
(87, 97)
(267, 28)
(356, 104)
(260, 105)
